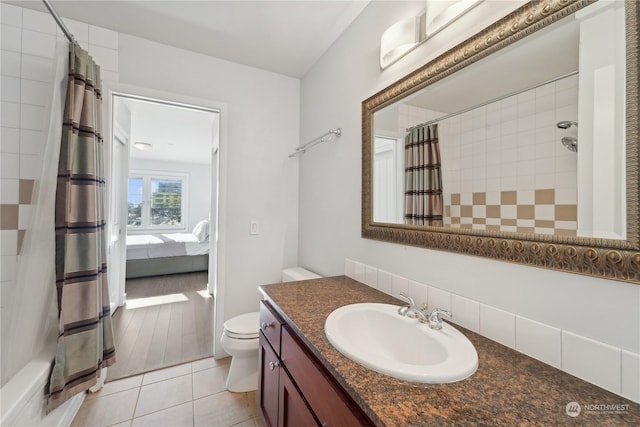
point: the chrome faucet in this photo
(434, 320)
(407, 310)
(410, 310)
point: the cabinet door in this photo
(330, 405)
(269, 383)
(293, 411)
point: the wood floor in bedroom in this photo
(166, 321)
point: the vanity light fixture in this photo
(400, 39)
(441, 13)
(143, 146)
(404, 36)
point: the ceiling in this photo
(176, 134)
(285, 37)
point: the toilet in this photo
(240, 340)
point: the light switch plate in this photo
(254, 228)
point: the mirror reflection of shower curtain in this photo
(423, 176)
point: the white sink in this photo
(376, 336)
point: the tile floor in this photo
(192, 394)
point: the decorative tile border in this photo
(539, 211)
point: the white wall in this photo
(330, 184)
(260, 180)
(199, 187)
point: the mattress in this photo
(148, 246)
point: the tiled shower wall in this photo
(28, 49)
(503, 165)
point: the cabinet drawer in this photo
(271, 326)
(330, 404)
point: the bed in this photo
(168, 253)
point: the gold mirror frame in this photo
(604, 258)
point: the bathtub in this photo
(23, 400)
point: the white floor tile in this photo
(165, 374)
(222, 410)
(117, 386)
(177, 416)
(208, 363)
(210, 381)
(108, 410)
(164, 394)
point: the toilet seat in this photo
(245, 326)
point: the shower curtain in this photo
(85, 339)
(423, 178)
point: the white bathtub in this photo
(23, 399)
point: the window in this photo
(156, 201)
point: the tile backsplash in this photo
(609, 367)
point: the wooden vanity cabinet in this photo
(294, 389)
(280, 401)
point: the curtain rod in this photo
(322, 138)
(491, 101)
(59, 21)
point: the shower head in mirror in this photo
(566, 124)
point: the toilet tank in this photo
(298, 273)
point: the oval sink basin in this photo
(376, 336)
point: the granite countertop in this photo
(509, 388)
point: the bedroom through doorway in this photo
(164, 168)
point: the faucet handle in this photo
(408, 299)
(407, 310)
(435, 322)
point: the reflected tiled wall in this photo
(503, 165)
(504, 168)
(28, 43)
(540, 211)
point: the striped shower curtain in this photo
(85, 339)
(423, 178)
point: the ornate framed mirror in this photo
(526, 136)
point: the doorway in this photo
(163, 225)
